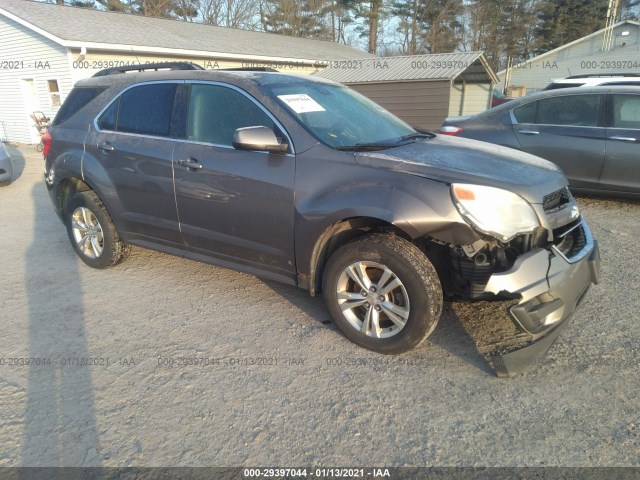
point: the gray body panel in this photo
(457, 160)
(239, 205)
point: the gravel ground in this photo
(275, 383)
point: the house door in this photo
(31, 104)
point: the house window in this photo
(54, 93)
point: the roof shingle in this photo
(72, 24)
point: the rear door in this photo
(134, 146)
(234, 205)
(568, 131)
(621, 170)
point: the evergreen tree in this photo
(563, 21)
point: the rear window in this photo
(575, 110)
(526, 113)
(570, 110)
(78, 98)
(147, 109)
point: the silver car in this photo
(6, 167)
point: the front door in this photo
(234, 205)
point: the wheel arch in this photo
(72, 184)
(338, 234)
(67, 188)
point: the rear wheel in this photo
(383, 293)
(92, 232)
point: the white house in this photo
(46, 48)
(587, 55)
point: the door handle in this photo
(529, 132)
(106, 147)
(624, 139)
(190, 163)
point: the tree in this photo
(501, 29)
(432, 26)
(295, 18)
(563, 21)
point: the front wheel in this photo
(383, 293)
(92, 232)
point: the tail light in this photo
(46, 144)
(450, 130)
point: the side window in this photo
(147, 109)
(108, 119)
(77, 99)
(626, 111)
(570, 110)
(215, 112)
(526, 113)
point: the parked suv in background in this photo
(593, 134)
(595, 79)
(307, 182)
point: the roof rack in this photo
(250, 69)
(599, 75)
(149, 66)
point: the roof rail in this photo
(598, 75)
(149, 66)
(250, 69)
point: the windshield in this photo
(339, 116)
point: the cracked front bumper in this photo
(550, 286)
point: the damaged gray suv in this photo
(309, 183)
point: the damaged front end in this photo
(547, 271)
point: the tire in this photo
(410, 306)
(92, 232)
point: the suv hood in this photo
(460, 160)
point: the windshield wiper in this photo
(363, 147)
(413, 136)
(360, 147)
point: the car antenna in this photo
(134, 54)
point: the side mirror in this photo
(258, 138)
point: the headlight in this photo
(499, 213)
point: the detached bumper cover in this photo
(551, 286)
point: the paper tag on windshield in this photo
(301, 103)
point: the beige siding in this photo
(455, 102)
(423, 104)
(476, 98)
(584, 57)
(29, 56)
(93, 61)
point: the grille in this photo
(556, 200)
